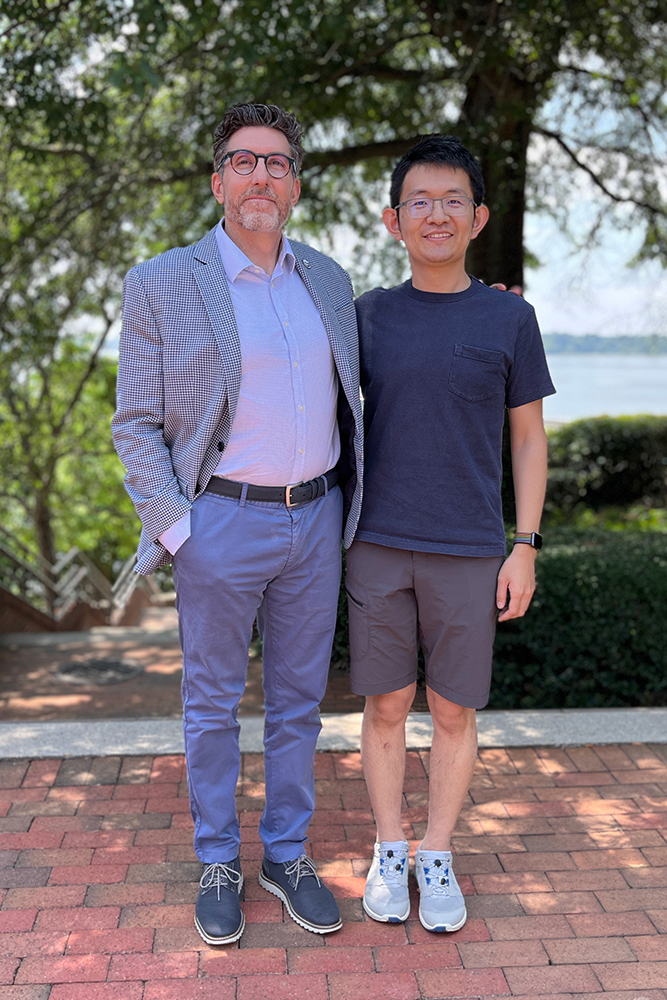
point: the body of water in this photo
(589, 385)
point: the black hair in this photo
(438, 149)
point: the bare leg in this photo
(453, 756)
(383, 756)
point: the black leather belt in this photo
(289, 495)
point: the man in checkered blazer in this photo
(238, 374)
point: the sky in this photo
(573, 291)
(594, 291)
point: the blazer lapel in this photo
(326, 310)
(212, 282)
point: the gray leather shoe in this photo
(218, 915)
(309, 903)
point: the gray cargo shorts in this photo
(397, 598)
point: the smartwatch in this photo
(532, 538)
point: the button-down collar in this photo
(235, 261)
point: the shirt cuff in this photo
(173, 537)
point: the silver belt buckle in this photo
(288, 490)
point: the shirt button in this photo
(301, 409)
(296, 363)
(286, 323)
(301, 451)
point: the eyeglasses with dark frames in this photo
(244, 161)
(421, 208)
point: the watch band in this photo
(532, 538)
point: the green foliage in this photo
(107, 108)
(127, 94)
(594, 634)
(62, 481)
(635, 518)
(607, 462)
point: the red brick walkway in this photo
(562, 855)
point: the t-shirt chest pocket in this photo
(476, 373)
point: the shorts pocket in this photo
(476, 373)
(357, 613)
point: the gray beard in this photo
(262, 221)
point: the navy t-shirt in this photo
(437, 371)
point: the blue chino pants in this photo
(245, 559)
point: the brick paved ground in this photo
(562, 855)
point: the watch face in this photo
(537, 540)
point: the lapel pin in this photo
(306, 263)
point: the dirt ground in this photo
(31, 690)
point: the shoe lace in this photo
(391, 865)
(301, 868)
(219, 876)
(438, 880)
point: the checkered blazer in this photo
(179, 377)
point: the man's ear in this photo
(296, 191)
(216, 188)
(480, 220)
(390, 219)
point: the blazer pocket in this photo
(476, 373)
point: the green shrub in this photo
(607, 462)
(594, 635)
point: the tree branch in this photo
(55, 150)
(350, 155)
(357, 67)
(57, 430)
(28, 20)
(590, 73)
(619, 199)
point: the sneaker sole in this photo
(277, 890)
(230, 938)
(442, 928)
(393, 918)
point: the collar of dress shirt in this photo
(234, 260)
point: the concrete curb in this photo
(547, 727)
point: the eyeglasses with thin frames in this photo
(421, 208)
(244, 161)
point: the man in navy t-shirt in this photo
(442, 356)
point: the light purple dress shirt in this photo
(285, 428)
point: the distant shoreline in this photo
(593, 343)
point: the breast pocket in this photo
(476, 373)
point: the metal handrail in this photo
(31, 570)
(73, 577)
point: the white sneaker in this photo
(386, 896)
(441, 903)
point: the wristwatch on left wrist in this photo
(532, 538)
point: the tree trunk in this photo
(42, 516)
(496, 122)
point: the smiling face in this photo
(256, 202)
(437, 243)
